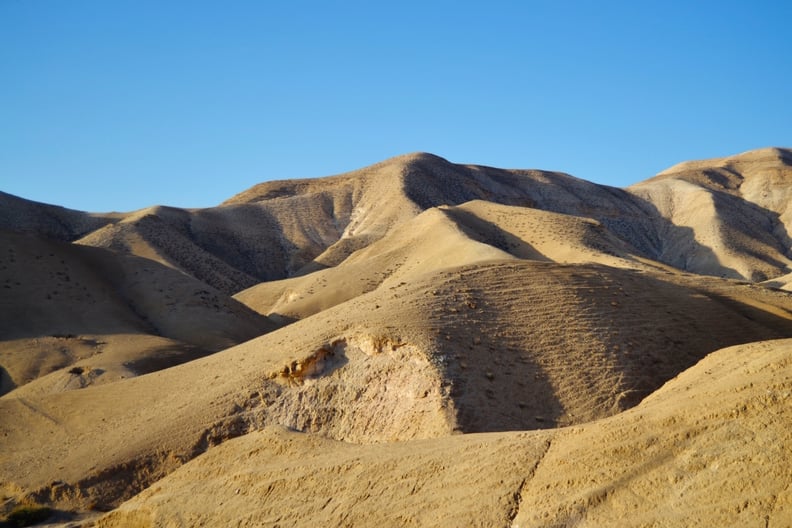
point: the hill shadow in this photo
(490, 233)
(628, 333)
(670, 244)
(754, 222)
(6, 382)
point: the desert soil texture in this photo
(415, 343)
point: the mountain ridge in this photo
(345, 213)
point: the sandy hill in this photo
(565, 342)
(697, 216)
(446, 237)
(281, 229)
(727, 216)
(504, 345)
(79, 315)
(703, 451)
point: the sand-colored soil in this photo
(69, 307)
(728, 217)
(414, 343)
(711, 448)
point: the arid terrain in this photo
(415, 343)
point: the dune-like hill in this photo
(349, 350)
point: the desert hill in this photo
(421, 304)
(51, 221)
(731, 216)
(703, 451)
(508, 345)
(283, 229)
(87, 315)
(446, 237)
(278, 230)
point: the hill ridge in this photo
(299, 226)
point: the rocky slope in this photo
(724, 217)
(728, 216)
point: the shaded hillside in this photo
(735, 212)
(280, 229)
(442, 238)
(52, 221)
(64, 303)
(429, 242)
(165, 235)
(398, 189)
(273, 230)
(699, 217)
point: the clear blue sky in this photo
(118, 105)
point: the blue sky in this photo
(118, 105)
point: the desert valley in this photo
(415, 343)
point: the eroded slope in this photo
(709, 449)
(441, 238)
(727, 216)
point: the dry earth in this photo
(457, 345)
(710, 448)
(79, 316)
(730, 216)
